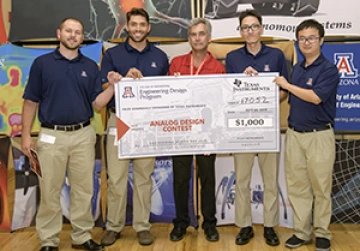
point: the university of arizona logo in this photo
(309, 82)
(345, 64)
(83, 74)
(266, 67)
(128, 93)
(153, 65)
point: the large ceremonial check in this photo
(159, 116)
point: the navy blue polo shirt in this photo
(64, 89)
(151, 62)
(268, 59)
(322, 77)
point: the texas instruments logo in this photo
(240, 85)
(128, 93)
(345, 64)
(237, 82)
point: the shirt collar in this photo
(129, 48)
(58, 56)
(188, 57)
(263, 50)
(317, 61)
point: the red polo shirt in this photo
(182, 64)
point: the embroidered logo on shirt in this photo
(128, 93)
(309, 82)
(83, 74)
(266, 67)
(153, 65)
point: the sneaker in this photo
(211, 234)
(145, 238)
(322, 244)
(295, 242)
(244, 236)
(271, 236)
(109, 238)
(177, 233)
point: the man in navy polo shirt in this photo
(135, 58)
(251, 59)
(63, 85)
(310, 140)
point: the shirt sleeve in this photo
(165, 69)
(97, 86)
(106, 66)
(228, 64)
(327, 82)
(33, 89)
(283, 67)
(221, 69)
(173, 67)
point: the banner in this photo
(162, 198)
(103, 19)
(346, 57)
(27, 190)
(280, 18)
(346, 183)
(225, 191)
(15, 65)
(345, 194)
(5, 222)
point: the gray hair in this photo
(195, 21)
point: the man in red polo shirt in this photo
(198, 61)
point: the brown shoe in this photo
(145, 238)
(109, 238)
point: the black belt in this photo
(112, 110)
(322, 128)
(66, 128)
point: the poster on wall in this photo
(5, 222)
(15, 65)
(280, 18)
(346, 183)
(27, 190)
(162, 197)
(225, 192)
(103, 19)
(346, 57)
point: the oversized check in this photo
(159, 116)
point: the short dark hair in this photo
(310, 23)
(137, 12)
(252, 13)
(73, 19)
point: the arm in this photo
(28, 116)
(283, 95)
(104, 97)
(304, 94)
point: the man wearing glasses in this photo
(251, 59)
(310, 140)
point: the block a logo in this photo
(128, 93)
(345, 64)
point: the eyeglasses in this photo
(253, 27)
(311, 39)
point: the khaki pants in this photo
(117, 187)
(309, 163)
(269, 166)
(74, 153)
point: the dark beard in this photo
(139, 41)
